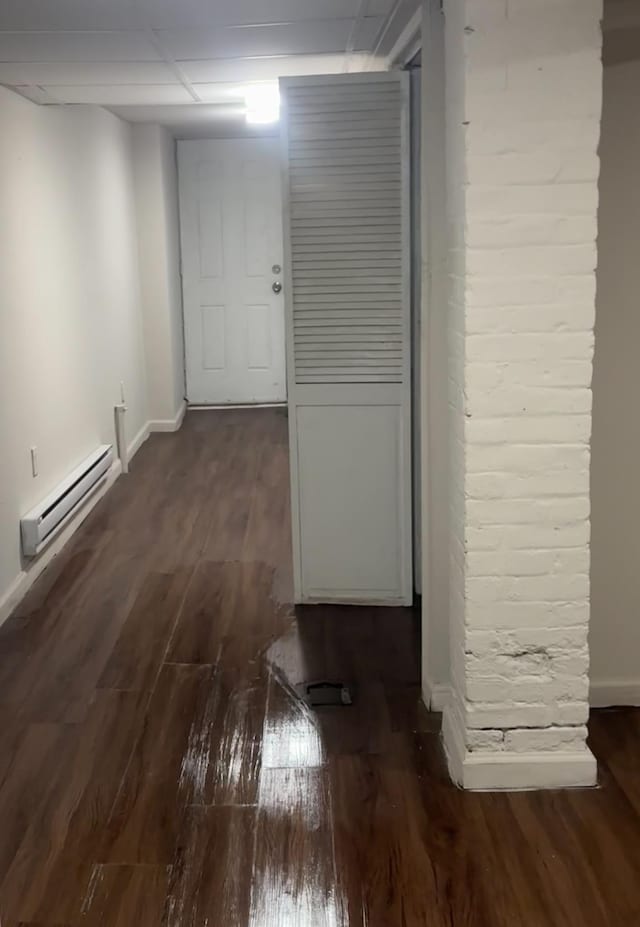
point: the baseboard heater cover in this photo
(43, 522)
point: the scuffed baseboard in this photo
(27, 577)
(487, 771)
(606, 693)
(169, 424)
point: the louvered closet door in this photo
(346, 240)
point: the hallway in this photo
(159, 767)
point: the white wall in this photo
(615, 468)
(159, 251)
(70, 323)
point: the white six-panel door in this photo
(231, 235)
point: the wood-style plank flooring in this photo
(157, 766)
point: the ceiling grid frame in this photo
(89, 52)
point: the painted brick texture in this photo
(523, 115)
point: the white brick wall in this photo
(523, 112)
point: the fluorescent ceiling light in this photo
(262, 103)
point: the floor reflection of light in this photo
(291, 737)
(196, 761)
(309, 910)
(230, 761)
(297, 886)
(294, 876)
(236, 750)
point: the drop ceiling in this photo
(135, 55)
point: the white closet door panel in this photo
(346, 234)
(349, 546)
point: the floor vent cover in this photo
(320, 694)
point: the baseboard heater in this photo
(44, 521)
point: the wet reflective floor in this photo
(158, 766)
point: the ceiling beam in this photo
(172, 63)
(408, 42)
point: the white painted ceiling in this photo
(135, 55)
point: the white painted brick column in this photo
(523, 116)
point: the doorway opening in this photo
(307, 248)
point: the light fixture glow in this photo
(262, 102)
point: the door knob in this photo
(276, 286)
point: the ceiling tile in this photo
(76, 46)
(123, 95)
(379, 7)
(68, 14)
(208, 75)
(167, 14)
(284, 39)
(367, 32)
(255, 69)
(59, 72)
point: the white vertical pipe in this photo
(121, 439)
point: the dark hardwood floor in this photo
(158, 767)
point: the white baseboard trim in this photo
(514, 771)
(607, 693)
(436, 695)
(27, 577)
(199, 407)
(15, 592)
(169, 424)
(134, 446)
